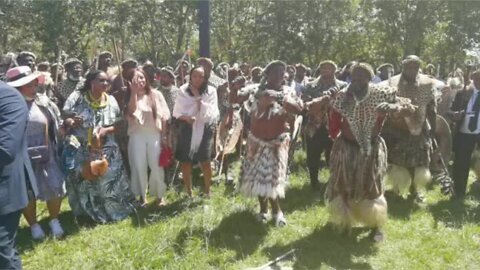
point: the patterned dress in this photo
(109, 197)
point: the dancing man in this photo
(358, 160)
(264, 168)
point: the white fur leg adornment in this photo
(340, 214)
(400, 179)
(421, 178)
(371, 213)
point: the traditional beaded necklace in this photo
(96, 104)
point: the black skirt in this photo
(184, 137)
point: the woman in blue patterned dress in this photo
(93, 113)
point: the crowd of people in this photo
(105, 137)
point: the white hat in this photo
(22, 75)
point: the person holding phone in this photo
(147, 115)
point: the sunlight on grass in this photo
(222, 233)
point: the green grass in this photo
(221, 233)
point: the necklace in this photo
(96, 104)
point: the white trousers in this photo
(144, 151)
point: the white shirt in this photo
(469, 113)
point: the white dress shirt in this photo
(469, 113)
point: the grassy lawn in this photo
(222, 233)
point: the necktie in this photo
(472, 124)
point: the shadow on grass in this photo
(300, 198)
(239, 232)
(326, 247)
(152, 214)
(398, 207)
(455, 213)
(69, 225)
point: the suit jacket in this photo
(15, 167)
(460, 103)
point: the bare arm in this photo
(132, 104)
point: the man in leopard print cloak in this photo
(358, 161)
(409, 138)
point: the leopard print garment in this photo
(65, 88)
(254, 91)
(421, 94)
(362, 115)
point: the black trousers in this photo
(315, 146)
(9, 258)
(463, 146)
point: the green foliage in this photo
(308, 31)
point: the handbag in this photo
(40, 154)
(96, 164)
(166, 157)
(94, 168)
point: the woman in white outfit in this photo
(147, 123)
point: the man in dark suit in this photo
(465, 112)
(16, 175)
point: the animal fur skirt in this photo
(355, 189)
(264, 168)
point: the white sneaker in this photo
(37, 232)
(57, 230)
(279, 219)
(262, 217)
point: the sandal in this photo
(161, 202)
(279, 219)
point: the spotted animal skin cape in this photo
(254, 92)
(362, 115)
(421, 94)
